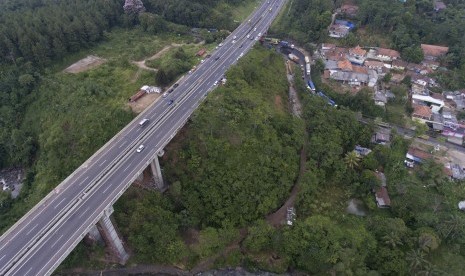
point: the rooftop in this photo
(434, 50)
(422, 111)
(388, 52)
(357, 51)
(345, 65)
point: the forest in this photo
(38, 117)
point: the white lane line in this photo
(32, 229)
(127, 167)
(83, 213)
(122, 144)
(55, 243)
(82, 182)
(2, 257)
(104, 161)
(104, 191)
(27, 272)
(56, 206)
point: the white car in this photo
(216, 83)
(234, 37)
(202, 61)
(221, 44)
(259, 34)
(241, 55)
(254, 29)
(233, 41)
(165, 94)
(140, 148)
(248, 36)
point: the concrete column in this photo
(157, 176)
(94, 235)
(108, 231)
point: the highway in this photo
(42, 239)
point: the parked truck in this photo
(311, 86)
(294, 58)
(307, 59)
(284, 43)
(328, 99)
(307, 69)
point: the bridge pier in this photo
(157, 176)
(109, 234)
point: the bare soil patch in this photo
(85, 64)
(278, 102)
(142, 103)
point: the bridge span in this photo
(42, 238)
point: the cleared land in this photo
(85, 64)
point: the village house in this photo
(433, 52)
(381, 193)
(349, 10)
(399, 64)
(384, 54)
(416, 156)
(382, 136)
(338, 31)
(375, 65)
(380, 98)
(361, 151)
(357, 55)
(422, 113)
(432, 103)
(340, 28)
(439, 5)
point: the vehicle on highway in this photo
(143, 122)
(165, 95)
(221, 44)
(176, 85)
(233, 41)
(207, 56)
(217, 58)
(202, 61)
(259, 34)
(171, 90)
(241, 55)
(248, 36)
(140, 148)
(216, 83)
(170, 102)
(254, 29)
(242, 45)
(234, 37)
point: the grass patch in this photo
(241, 12)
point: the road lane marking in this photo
(56, 206)
(27, 272)
(32, 229)
(55, 243)
(122, 144)
(104, 191)
(104, 161)
(2, 257)
(83, 181)
(85, 211)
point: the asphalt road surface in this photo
(41, 240)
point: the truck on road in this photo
(307, 59)
(294, 58)
(311, 86)
(307, 69)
